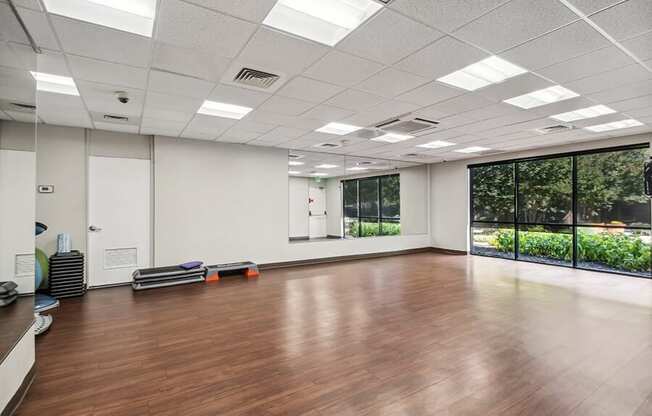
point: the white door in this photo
(118, 219)
(317, 208)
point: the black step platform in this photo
(66, 275)
(166, 276)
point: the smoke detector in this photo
(407, 124)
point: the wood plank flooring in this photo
(421, 334)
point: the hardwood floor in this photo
(421, 334)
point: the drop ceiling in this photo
(386, 67)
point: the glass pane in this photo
(369, 227)
(390, 227)
(610, 189)
(350, 191)
(551, 245)
(368, 197)
(493, 192)
(351, 227)
(390, 190)
(614, 249)
(493, 240)
(545, 191)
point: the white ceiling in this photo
(601, 49)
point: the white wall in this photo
(15, 367)
(414, 204)
(299, 226)
(333, 208)
(449, 212)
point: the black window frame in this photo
(574, 225)
(378, 219)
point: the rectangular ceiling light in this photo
(622, 124)
(356, 168)
(55, 83)
(325, 22)
(294, 172)
(436, 144)
(542, 97)
(319, 174)
(134, 16)
(338, 129)
(583, 113)
(392, 138)
(213, 108)
(294, 163)
(325, 166)
(472, 149)
(480, 74)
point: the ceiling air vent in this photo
(111, 117)
(24, 106)
(407, 125)
(328, 145)
(554, 129)
(255, 78)
(294, 156)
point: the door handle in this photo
(94, 228)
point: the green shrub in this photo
(616, 250)
(370, 229)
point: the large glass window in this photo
(372, 206)
(585, 210)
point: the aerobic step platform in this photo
(166, 276)
(247, 268)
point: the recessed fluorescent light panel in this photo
(622, 124)
(55, 83)
(213, 108)
(472, 149)
(542, 97)
(319, 174)
(294, 172)
(338, 129)
(356, 168)
(392, 138)
(324, 21)
(583, 113)
(134, 16)
(480, 74)
(326, 166)
(437, 144)
(294, 163)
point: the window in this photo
(584, 210)
(372, 206)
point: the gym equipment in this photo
(66, 277)
(247, 268)
(8, 293)
(166, 276)
(42, 302)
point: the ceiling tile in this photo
(640, 46)
(193, 62)
(206, 127)
(107, 72)
(343, 69)
(444, 56)
(168, 107)
(633, 104)
(568, 42)
(445, 15)
(47, 61)
(381, 112)
(355, 100)
(562, 106)
(283, 120)
(174, 84)
(161, 127)
(582, 66)
(39, 28)
(373, 40)
(609, 79)
(515, 22)
(456, 105)
(327, 113)
(10, 57)
(391, 82)
(279, 135)
(430, 93)
(17, 85)
(188, 26)
(122, 128)
(103, 43)
(591, 6)
(29, 4)
(274, 52)
(252, 10)
(623, 92)
(101, 98)
(238, 96)
(286, 106)
(626, 20)
(513, 87)
(309, 89)
(77, 118)
(10, 29)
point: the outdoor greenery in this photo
(617, 250)
(370, 229)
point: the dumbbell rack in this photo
(66, 275)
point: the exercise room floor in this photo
(421, 334)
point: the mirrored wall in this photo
(335, 197)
